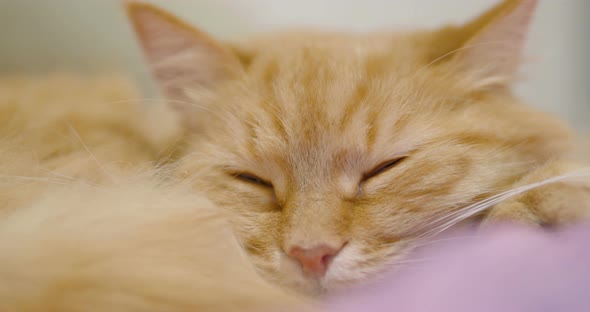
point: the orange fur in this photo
(87, 223)
(310, 114)
(284, 138)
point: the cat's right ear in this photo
(183, 59)
(489, 49)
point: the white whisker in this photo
(443, 240)
(474, 209)
(90, 153)
(36, 179)
(413, 261)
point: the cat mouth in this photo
(294, 277)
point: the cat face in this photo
(336, 152)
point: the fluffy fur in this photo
(287, 131)
(293, 138)
(87, 224)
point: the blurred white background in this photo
(93, 35)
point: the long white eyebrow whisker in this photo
(36, 179)
(443, 240)
(102, 168)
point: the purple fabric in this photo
(505, 269)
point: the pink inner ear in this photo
(496, 52)
(161, 36)
(181, 57)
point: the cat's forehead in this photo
(299, 55)
(323, 101)
(328, 82)
(326, 125)
(308, 97)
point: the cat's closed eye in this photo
(251, 178)
(382, 167)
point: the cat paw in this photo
(561, 202)
(513, 211)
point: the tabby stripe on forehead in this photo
(271, 103)
(354, 104)
(278, 124)
(315, 80)
(252, 125)
(274, 112)
(372, 128)
(270, 72)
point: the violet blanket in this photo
(505, 269)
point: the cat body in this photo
(335, 152)
(328, 155)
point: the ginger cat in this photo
(331, 155)
(335, 152)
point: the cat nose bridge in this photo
(315, 222)
(315, 237)
(315, 213)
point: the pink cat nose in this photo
(314, 261)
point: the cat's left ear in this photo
(493, 44)
(183, 59)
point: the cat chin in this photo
(289, 274)
(325, 286)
